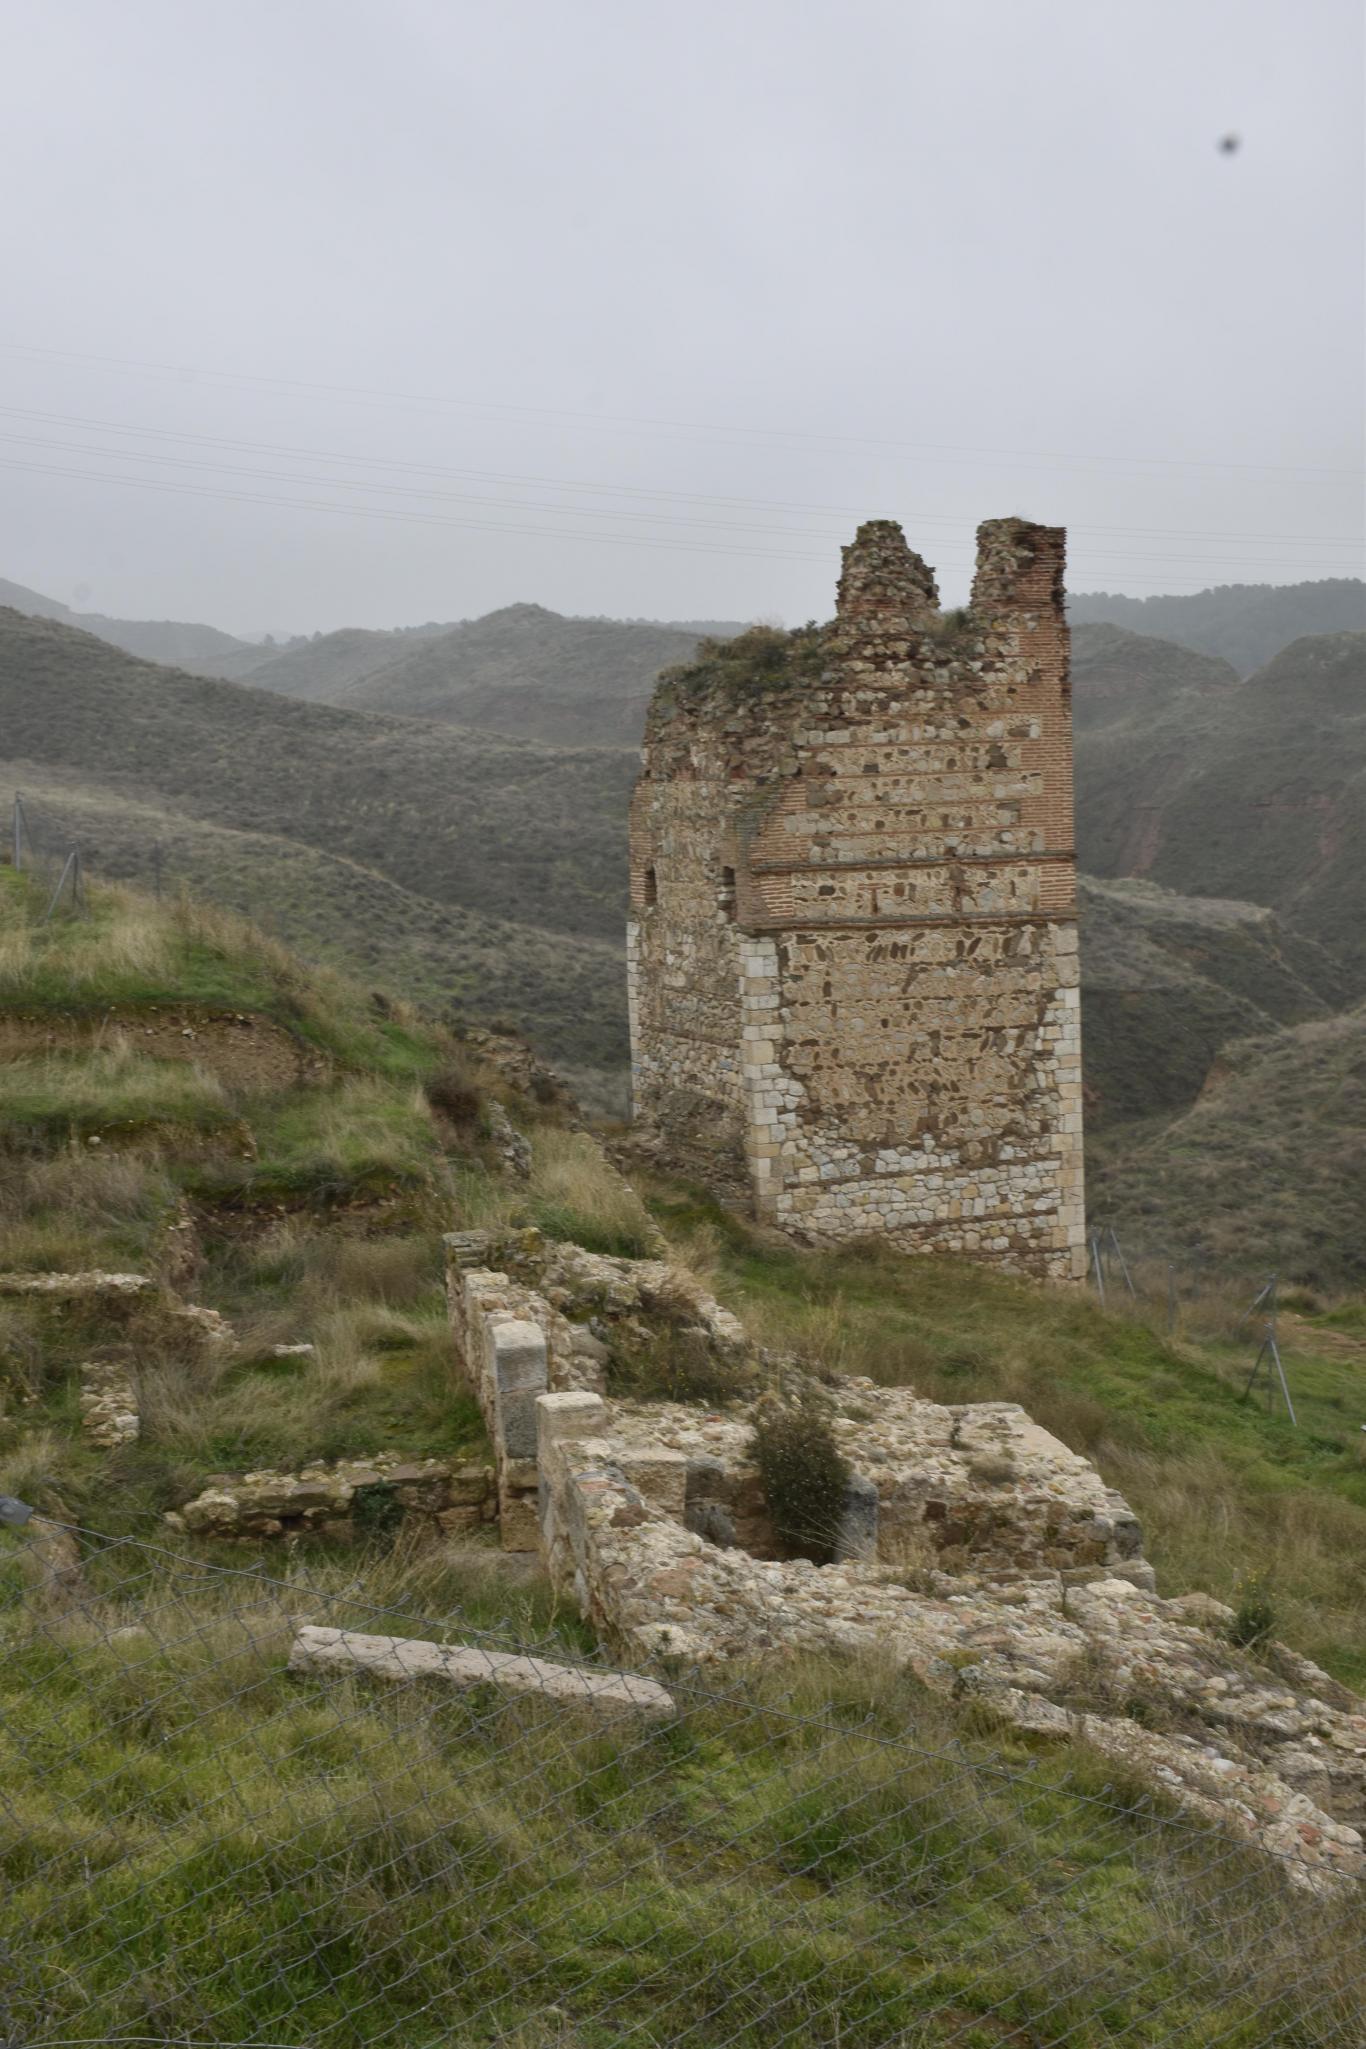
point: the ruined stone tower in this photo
(853, 942)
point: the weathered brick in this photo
(853, 951)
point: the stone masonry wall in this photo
(853, 950)
(974, 1550)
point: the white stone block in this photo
(400, 1657)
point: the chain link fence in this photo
(224, 1819)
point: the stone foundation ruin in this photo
(974, 1550)
(853, 947)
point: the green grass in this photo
(129, 952)
(84, 1207)
(1221, 1486)
(366, 1133)
(113, 1094)
(197, 1844)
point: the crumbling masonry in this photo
(853, 947)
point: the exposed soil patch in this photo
(243, 1050)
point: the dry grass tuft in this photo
(577, 1193)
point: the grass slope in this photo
(566, 994)
(203, 1847)
(514, 830)
(194, 1843)
(1267, 1170)
(306, 1202)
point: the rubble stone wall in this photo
(853, 951)
(342, 1498)
(1266, 1745)
(975, 1550)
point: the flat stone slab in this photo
(70, 1286)
(402, 1657)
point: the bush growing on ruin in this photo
(804, 1476)
(676, 1364)
(1254, 1618)
(454, 1093)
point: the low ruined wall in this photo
(529, 1326)
(975, 1551)
(1271, 1748)
(343, 1499)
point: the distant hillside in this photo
(1245, 624)
(323, 669)
(33, 602)
(568, 993)
(501, 826)
(173, 641)
(522, 670)
(1256, 793)
(459, 867)
(1168, 980)
(1268, 1169)
(1117, 675)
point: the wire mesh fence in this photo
(41, 846)
(210, 1835)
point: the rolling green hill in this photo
(1245, 624)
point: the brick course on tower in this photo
(853, 944)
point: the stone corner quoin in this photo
(854, 987)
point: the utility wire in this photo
(665, 519)
(1044, 457)
(655, 493)
(732, 550)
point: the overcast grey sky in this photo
(375, 311)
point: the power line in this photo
(393, 514)
(665, 519)
(1043, 457)
(657, 493)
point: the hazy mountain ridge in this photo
(1117, 675)
(525, 669)
(1245, 624)
(176, 642)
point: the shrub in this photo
(677, 1364)
(804, 1476)
(1254, 1618)
(454, 1093)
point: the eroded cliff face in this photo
(853, 951)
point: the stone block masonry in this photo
(854, 986)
